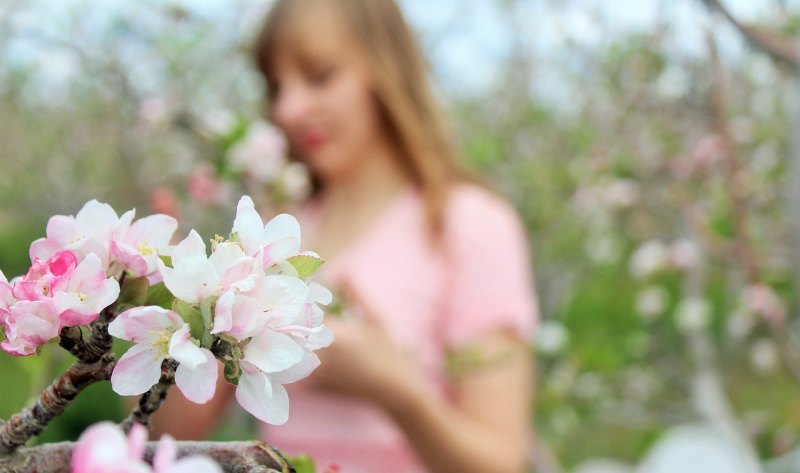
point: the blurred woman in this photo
(431, 371)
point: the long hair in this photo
(400, 87)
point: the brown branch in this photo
(151, 401)
(236, 457)
(734, 171)
(780, 48)
(32, 421)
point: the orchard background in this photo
(651, 148)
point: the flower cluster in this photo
(70, 279)
(103, 448)
(250, 304)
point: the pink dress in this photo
(478, 282)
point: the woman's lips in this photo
(311, 141)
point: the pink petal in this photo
(129, 257)
(299, 371)
(144, 324)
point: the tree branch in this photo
(32, 421)
(152, 399)
(236, 457)
(781, 48)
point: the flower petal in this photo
(143, 324)
(182, 348)
(137, 371)
(249, 226)
(299, 371)
(266, 401)
(271, 352)
(199, 383)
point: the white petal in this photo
(268, 402)
(191, 247)
(192, 281)
(271, 352)
(319, 293)
(183, 350)
(299, 371)
(137, 371)
(283, 226)
(198, 383)
(249, 226)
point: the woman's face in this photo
(320, 96)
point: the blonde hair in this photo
(400, 86)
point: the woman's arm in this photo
(485, 429)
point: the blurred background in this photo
(652, 148)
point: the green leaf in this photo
(159, 295)
(166, 259)
(306, 265)
(303, 464)
(232, 371)
(205, 311)
(134, 291)
(192, 316)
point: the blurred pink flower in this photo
(103, 448)
(261, 155)
(764, 302)
(684, 254)
(164, 200)
(204, 187)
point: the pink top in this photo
(480, 282)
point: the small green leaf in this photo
(206, 312)
(191, 315)
(232, 371)
(303, 464)
(166, 259)
(159, 295)
(306, 265)
(134, 291)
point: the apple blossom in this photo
(88, 232)
(103, 448)
(137, 245)
(262, 153)
(29, 325)
(276, 241)
(81, 294)
(194, 276)
(161, 334)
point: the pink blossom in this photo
(87, 232)
(84, 292)
(203, 186)
(164, 200)
(29, 325)
(38, 283)
(103, 448)
(160, 334)
(764, 302)
(262, 153)
(7, 298)
(137, 245)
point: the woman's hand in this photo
(364, 361)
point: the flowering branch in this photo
(240, 457)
